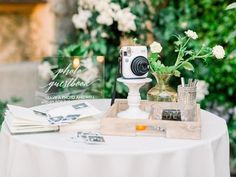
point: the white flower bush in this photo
(102, 6)
(191, 34)
(80, 20)
(202, 90)
(125, 20)
(104, 19)
(218, 52)
(108, 12)
(115, 7)
(155, 47)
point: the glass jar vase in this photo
(162, 91)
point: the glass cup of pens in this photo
(187, 100)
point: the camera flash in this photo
(129, 51)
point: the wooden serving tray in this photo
(112, 125)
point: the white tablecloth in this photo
(54, 155)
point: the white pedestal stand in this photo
(133, 112)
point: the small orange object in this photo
(141, 127)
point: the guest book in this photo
(22, 120)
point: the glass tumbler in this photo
(187, 102)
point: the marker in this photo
(182, 82)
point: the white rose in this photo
(44, 71)
(191, 34)
(104, 19)
(155, 47)
(77, 23)
(115, 6)
(218, 52)
(80, 20)
(102, 6)
(125, 20)
(202, 89)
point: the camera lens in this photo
(140, 66)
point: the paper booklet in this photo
(22, 120)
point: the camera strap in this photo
(114, 87)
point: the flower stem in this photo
(193, 58)
(180, 49)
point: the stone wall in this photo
(14, 45)
(33, 31)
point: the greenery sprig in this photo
(185, 55)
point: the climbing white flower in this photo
(102, 5)
(45, 71)
(125, 20)
(218, 52)
(105, 19)
(155, 47)
(202, 89)
(80, 20)
(115, 7)
(191, 34)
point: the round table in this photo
(54, 155)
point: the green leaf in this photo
(79, 51)
(154, 66)
(177, 73)
(153, 56)
(158, 63)
(188, 66)
(178, 43)
(231, 6)
(103, 49)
